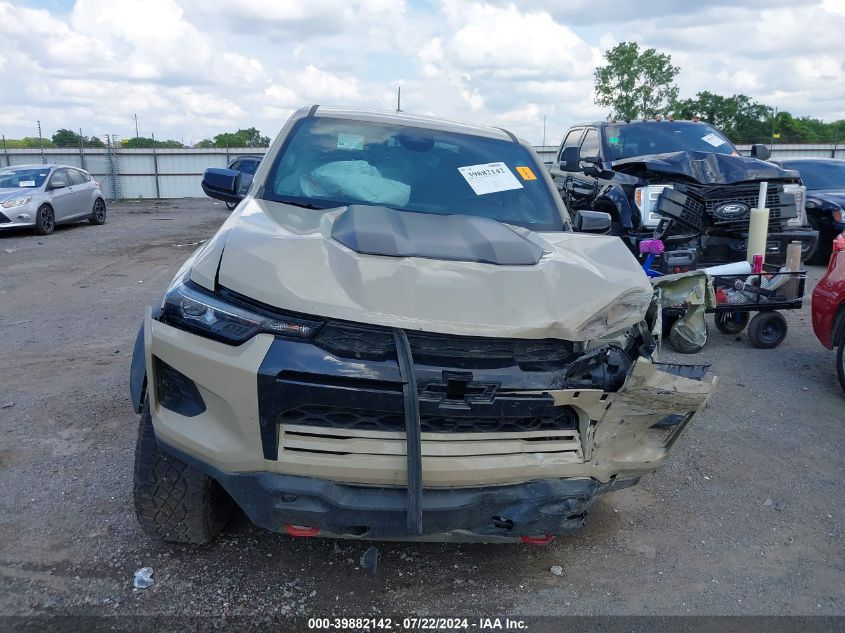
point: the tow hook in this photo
(301, 530)
(545, 539)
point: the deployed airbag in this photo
(355, 179)
(382, 231)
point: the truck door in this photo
(561, 177)
(582, 186)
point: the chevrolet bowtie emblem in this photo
(457, 389)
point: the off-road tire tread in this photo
(174, 501)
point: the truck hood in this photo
(704, 167)
(825, 197)
(582, 286)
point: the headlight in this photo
(645, 198)
(190, 307)
(15, 202)
(800, 194)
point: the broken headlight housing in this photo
(800, 193)
(628, 309)
(646, 199)
(190, 307)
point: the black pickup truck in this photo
(682, 182)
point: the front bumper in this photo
(728, 248)
(18, 217)
(488, 514)
(277, 414)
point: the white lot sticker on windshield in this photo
(714, 140)
(489, 178)
(350, 141)
(26, 183)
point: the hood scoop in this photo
(375, 230)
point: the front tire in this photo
(45, 220)
(174, 501)
(98, 213)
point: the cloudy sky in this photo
(192, 68)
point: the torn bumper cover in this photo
(687, 296)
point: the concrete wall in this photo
(176, 173)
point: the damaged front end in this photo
(462, 438)
(702, 202)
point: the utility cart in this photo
(765, 293)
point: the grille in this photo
(562, 418)
(4, 219)
(353, 341)
(704, 199)
(443, 350)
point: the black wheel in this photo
(731, 322)
(840, 356)
(174, 501)
(824, 248)
(681, 345)
(767, 330)
(231, 205)
(98, 213)
(45, 221)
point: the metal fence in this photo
(176, 173)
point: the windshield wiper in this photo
(297, 202)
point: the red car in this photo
(829, 306)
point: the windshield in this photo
(662, 137)
(821, 174)
(331, 162)
(23, 178)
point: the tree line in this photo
(249, 137)
(636, 83)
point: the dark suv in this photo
(682, 181)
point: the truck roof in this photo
(415, 120)
(635, 122)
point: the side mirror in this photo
(590, 165)
(57, 184)
(592, 222)
(222, 184)
(760, 152)
(569, 159)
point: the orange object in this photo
(526, 173)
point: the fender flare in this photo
(138, 368)
(138, 373)
(615, 197)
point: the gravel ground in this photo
(744, 519)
